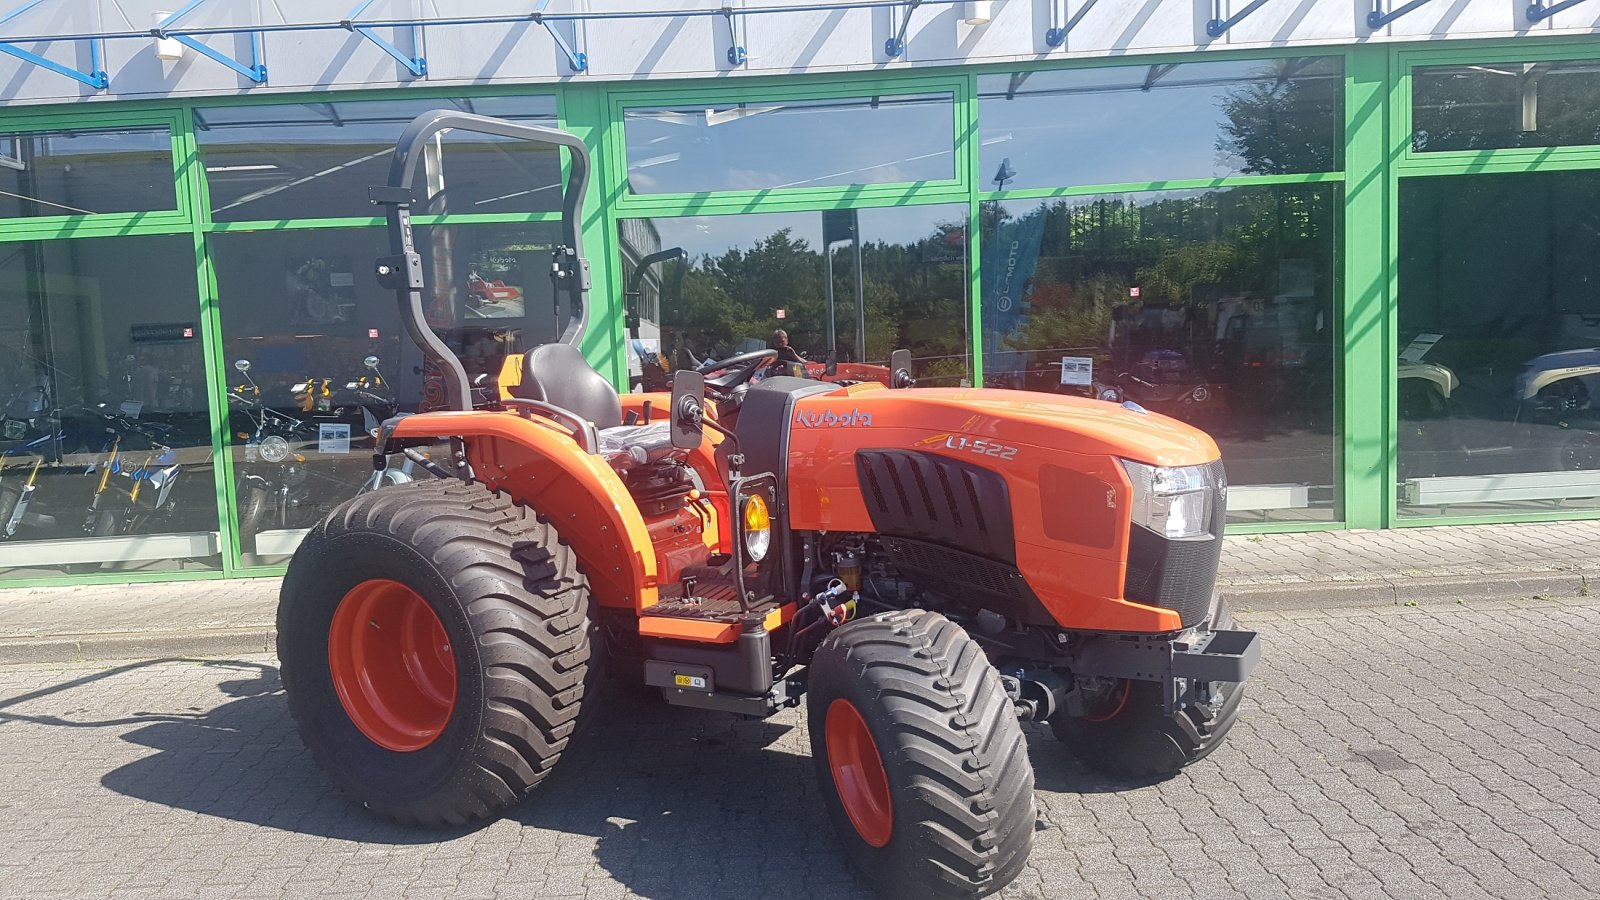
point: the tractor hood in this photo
(1013, 419)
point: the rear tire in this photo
(921, 759)
(1130, 733)
(496, 705)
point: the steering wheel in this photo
(739, 369)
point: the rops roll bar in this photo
(402, 271)
(635, 290)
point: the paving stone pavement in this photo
(1438, 751)
(1271, 571)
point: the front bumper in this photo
(1201, 655)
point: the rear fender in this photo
(540, 465)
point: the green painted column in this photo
(1368, 375)
(583, 112)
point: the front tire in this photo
(922, 762)
(434, 646)
(1127, 731)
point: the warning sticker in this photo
(697, 682)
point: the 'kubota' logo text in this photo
(830, 419)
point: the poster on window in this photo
(322, 290)
(1077, 370)
(333, 437)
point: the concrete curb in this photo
(217, 642)
(1409, 591)
(1288, 596)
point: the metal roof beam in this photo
(417, 65)
(1378, 18)
(576, 61)
(736, 51)
(1060, 25)
(1538, 12)
(95, 77)
(896, 45)
(1219, 26)
(256, 72)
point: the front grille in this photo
(936, 499)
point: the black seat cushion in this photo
(558, 374)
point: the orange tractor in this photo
(926, 568)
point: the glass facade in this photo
(847, 286)
(1364, 271)
(1499, 106)
(790, 144)
(105, 439)
(1499, 365)
(1043, 129)
(86, 172)
(316, 160)
(1216, 307)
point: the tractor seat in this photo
(558, 374)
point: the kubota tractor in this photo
(926, 568)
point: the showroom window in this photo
(105, 439)
(318, 358)
(847, 286)
(1044, 129)
(778, 144)
(316, 160)
(95, 171)
(1500, 106)
(1218, 302)
(1498, 375)
(1217, 307)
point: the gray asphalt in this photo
(1436, 751)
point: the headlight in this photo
(1173, 501)
(757, 527)
(274, 449)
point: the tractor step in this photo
(715, 608)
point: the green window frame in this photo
(771, 90)
(1406, 163)
(72, 224)
(1359, 504)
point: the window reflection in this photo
(105, 440)
(325, 358)
(1499, 328)
(1216, 307)
(847, 287)
(313, 160)
(69, 173)
(1132, 124)
(790, 144)
(1494, 106)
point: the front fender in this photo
(539, 464)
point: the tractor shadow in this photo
(240, 759)
(679, 803)
(689, 804)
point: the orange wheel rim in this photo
(858, 773)
(392, 665)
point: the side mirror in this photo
(832, 368)
(688, 409)
(242, 365)
(370, 362)
(900, 370)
